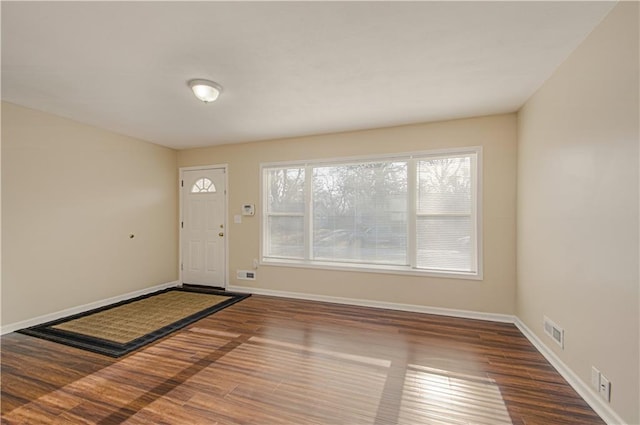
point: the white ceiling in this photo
(288, 68)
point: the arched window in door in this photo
(203, 185)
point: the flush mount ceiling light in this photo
(205, 90)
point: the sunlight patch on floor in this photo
(435, 396)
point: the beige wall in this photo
(497, 136)
(71, 195)
(578, 208)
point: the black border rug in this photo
(114, 349)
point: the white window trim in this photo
(412, 214)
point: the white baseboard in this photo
(467, 314)
(603, 409)
(596, 403)
(12, 327)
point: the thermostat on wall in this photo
(248, 209)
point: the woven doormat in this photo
(118, 329)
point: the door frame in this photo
(225, 168)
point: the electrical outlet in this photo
(595, 379)
(605, 388)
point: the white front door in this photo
(203, 225)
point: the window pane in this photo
(203, 185)
(285, 236)
(444, 185)
(285, 188)
(360, 213)
(444, 243)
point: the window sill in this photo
(369, 268)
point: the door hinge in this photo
(181, 266)
(181, 183)
(182, 224)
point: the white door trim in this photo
(225, 168)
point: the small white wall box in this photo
(248, 209)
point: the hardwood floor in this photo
(268, 360)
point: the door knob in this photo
(220, 234)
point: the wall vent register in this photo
(554, 331)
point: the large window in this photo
(407, 213)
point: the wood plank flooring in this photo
(269, 361)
